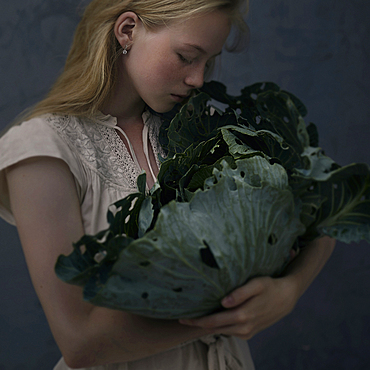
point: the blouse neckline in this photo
(111, 121)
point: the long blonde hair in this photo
(91, 68)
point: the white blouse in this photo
(105, 172)
(103, 169)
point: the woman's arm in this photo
(47, 212)
(263, 301)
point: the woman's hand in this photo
(251, 308)
(263, 301)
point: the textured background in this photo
(317, 49)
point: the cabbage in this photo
(242, 225)
(238, 190)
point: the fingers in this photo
(236, 322)
(245, 292)
(245, 332)
(236, 303)
(250, 309)
(218, 320)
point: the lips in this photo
(179, 98)
(182, 96)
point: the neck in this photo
(124, 103)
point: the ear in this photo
(125, 27)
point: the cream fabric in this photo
(105, 172)
(208, 353)
(103, 169)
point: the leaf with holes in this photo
(344, 213)
(238, 139)
(246, 218)
(196, 122)
(321, 167)
(221, 211)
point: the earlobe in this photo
(125, 28)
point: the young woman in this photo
(85, 145)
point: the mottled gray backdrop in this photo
(317, 49)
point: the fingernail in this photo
(228, 301)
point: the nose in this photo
(195, 78)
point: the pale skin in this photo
(45, 205)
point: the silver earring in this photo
(124, 50)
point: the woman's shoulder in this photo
(81, 136)
(38, 136)
(36, 129)
(48, 135)
(35, 138)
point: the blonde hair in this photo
(91, 68)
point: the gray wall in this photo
(317, 49)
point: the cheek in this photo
(165, 71)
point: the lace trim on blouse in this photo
(100, 147)
(121, 153)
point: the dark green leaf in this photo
(313, 134)
(165, 274)
(345, 212)
(236, 189)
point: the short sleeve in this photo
(34, 138)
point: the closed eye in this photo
(183, 59)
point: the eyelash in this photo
(183, 59)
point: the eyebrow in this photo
(199, 48)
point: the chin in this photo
(161, 108)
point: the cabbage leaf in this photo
(238, 189)
(241, 226)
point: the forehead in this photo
(208, 31)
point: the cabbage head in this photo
(237, 190)
(242, 225)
